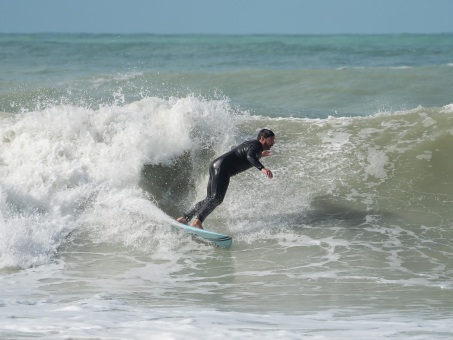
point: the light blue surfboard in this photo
(220, 240)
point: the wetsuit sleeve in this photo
(253, 156)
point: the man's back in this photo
(241, 158)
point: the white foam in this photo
(61, 161)
(377, 161)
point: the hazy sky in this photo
(227, 16)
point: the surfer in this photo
(239, 159)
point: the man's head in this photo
(265, 133)
(266, 138)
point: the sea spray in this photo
(68, 166)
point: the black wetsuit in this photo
(239, 159)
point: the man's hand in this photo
(267, 172)
(265, 153)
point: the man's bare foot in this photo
(182, 220)
(197, 224)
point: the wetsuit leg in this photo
(219, 179)
(188, 215)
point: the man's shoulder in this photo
(252, 142)
(245, 146)
(252, 146)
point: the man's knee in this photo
(218, 199)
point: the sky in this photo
(227, 16)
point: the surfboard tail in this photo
(220, 240)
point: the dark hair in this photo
(266, 133)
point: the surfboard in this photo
(217, 239)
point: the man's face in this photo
(267, 143)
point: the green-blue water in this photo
(104, 138)
(297, 76)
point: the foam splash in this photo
(66, 166)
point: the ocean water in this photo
(105, 138)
